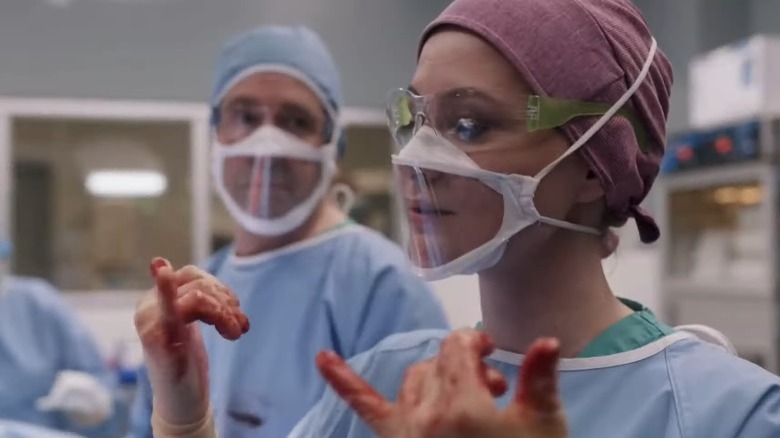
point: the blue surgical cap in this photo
(295, 47)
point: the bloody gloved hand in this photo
(173, 349)
(453, 394)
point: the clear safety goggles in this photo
(467, 118)
(237, 120)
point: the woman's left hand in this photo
(453, 394)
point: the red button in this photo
(724, 145)
(684, 153)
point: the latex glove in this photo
(453, 394)
(173, 348)
(80, 396)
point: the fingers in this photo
(494, 380)
(538, 386)
(166, 295)
(243, 321)
(200, 296)
(369, 404)
(460, 358)
(235, 322)
(159, 263)
(197, 305)
(221, 308)
(415, 379)
(190, 273)
(166, 288)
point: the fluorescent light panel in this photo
(126, 183)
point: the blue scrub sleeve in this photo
(80, 353)
(384, 368)
(400, 302)
(764, 420)
(331, 417)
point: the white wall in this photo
(110, 317)
(164, 49)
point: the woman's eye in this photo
(469, 130)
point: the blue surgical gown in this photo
(344, 291)
(39, 336)
(674, 387)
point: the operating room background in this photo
(163, 50)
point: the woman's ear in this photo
(590, 189)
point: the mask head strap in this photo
(607, 116)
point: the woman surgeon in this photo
(530, 128)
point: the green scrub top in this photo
(634, 331)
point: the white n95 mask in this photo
(435, 173)
(271, 182)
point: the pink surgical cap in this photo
(590, 50)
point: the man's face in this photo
(270, 187)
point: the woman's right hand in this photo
(175, 356)
(453, 394)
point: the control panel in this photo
(703, 149)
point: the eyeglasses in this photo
(468, 116)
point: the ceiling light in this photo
(126, 183)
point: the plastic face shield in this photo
(459, 216)
(448, 216)
(267, 186)
(271, 175)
